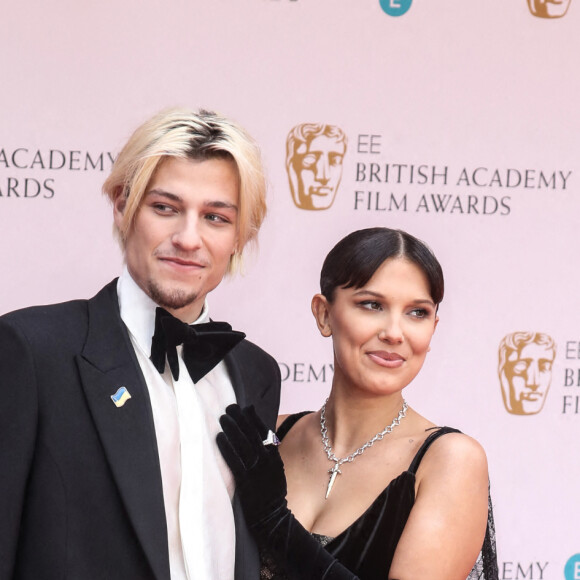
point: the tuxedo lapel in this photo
(235, 373)
(127, 432)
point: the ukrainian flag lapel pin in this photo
(121, 396)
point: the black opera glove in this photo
(261, 487)
(257, 468)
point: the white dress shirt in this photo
(197, 484)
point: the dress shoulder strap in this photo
(439, 431)
(288, 423)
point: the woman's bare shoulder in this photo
(449, 516)
(452, 454)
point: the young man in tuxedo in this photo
(110, 406)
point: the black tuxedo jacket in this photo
(80, 482)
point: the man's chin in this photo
(171, 298)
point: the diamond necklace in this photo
(338, 461)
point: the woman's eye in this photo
(370, 305)
(419, 313)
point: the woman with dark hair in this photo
(367, 487)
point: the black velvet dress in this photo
(367, 546)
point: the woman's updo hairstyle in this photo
(355, 259)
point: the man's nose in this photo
(187, 236)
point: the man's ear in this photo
(320, 309)
(119, 211)
(235, 249)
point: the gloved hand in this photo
(261, 486)
(257, 468)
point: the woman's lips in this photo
(390, 360)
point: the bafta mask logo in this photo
(314, 154)
(549, 8)
(525, 371)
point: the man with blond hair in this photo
(111, 405)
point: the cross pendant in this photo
(333, 473)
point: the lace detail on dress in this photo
(486, 565)
(269, 570)
(322, 539)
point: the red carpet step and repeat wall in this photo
(457, 121)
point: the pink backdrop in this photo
(484, 93)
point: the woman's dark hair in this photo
(355, 259)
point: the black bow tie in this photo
(204, 345)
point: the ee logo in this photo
(572, 568)
(395, 7)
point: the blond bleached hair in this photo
(196, 135)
